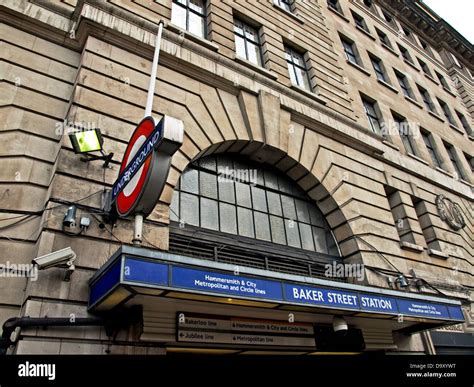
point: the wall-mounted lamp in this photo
(91, 140)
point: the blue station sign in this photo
(133, 271)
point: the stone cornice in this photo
(433, 29)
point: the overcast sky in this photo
(458, 13)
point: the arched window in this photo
(228, 195)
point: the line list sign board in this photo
(239, 331)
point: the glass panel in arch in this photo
(292, 233)
(174, 207)
(278, 230)
(262, 226)
(189, 181)
(302, 211)
(224, 164)
(190, 209)
(320, 240)
(271, 180)
(208, 163)
(209, 214)
(317, 218)
(245, 220)
(331, 243)
(226, 190)
(307, 242)
(228, 218)
(243, 194)
(259, 199)
(274, 203)
(208, 184)
(289, 210)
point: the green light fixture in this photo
(85, 141)
(90, 140)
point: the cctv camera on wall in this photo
(62, 258)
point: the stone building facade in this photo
(338, 135)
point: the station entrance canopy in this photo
(136, 271)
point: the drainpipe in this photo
(111, 322)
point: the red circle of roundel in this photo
(125, 203)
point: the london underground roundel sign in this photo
(145, 165)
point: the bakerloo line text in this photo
(338, 298)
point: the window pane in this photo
(331, 243)
(306, 236)
(178, 16)
(262, 226)
(259, 199)
(302, 78)
(190, 209)
(274, 204)
(298, 59)
(224, 164)
(208, 184)
(243, 194)
(228, 218)
(240, 47)
(197, 5)
(174, 207)
(251, 33)
(209, 214)
(238, 27)
(316, 216)
(208, 163)
(285, 185)
(254, 53)
(189, 181)
(278, 232)
(226, 190)
(319, 235)
(271, 180)
(289, 210)
(245, 222)
(302, 211)
(292, 233)
(291, 72)
(196, 24)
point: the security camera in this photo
(61, 258)
(339, 325)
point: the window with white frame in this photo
(247, 42)
(297, 68)
(190, 16)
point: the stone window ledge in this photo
(411, 64)
(255, 67)
(436, 115)
(197, 39)
(437, 254)
(358, 67)
(414, 102)
(309, 94)
(444, 172)
(411, 247)
(417, 158)
(366, 32)
(288, 13)
(388, 85)
(390, 49)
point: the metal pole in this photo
(138, 226)
(154, 68)
(137, 230)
